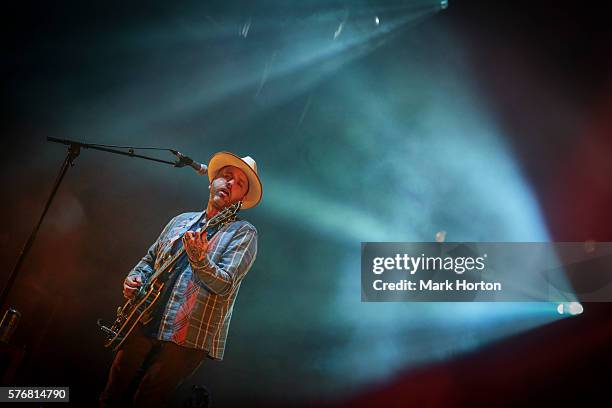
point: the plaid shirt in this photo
(199, 310)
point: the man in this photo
(190, 320)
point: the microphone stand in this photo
(74, 148)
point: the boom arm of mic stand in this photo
(129, 153)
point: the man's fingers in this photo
(202, 234)
(192, 236)
(131, 286)
(128, 295)
(133, 282)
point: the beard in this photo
(220, 202)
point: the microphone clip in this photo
(182, 159)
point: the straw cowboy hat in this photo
(247, 165)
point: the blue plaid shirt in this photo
(201, 300)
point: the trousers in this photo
(152, 369)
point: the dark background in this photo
(93, 71)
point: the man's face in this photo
(229, 186)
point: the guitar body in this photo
(131, 313)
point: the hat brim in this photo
(222, 159)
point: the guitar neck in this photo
(225, 216)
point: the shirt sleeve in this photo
(144, 268)
(223, 277)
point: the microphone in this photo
(183, 161)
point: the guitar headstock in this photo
(228, 214)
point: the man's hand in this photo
(196, 245)
(131, 285)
